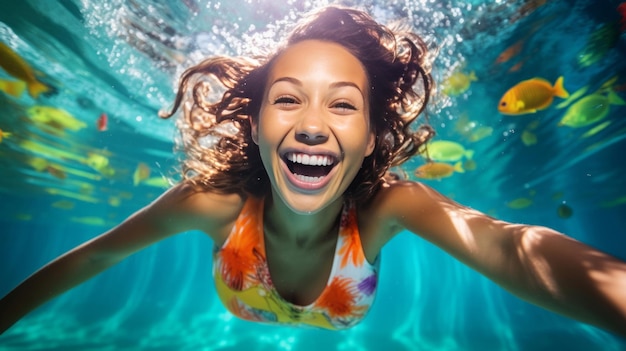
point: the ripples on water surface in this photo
(60, 187)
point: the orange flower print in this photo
(241, 256)
(351, 248)
(338, 299)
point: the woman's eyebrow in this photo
(333, 85)
(346, 84)
(291, 80)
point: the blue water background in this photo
(123, 57)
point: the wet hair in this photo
(216, 136)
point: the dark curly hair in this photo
(216, 136)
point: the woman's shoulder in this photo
(395, 194)
(196, 199)
(210, 211)
(381, 217)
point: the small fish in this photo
(517, 67)
(469, 165)
(14, 88)
(56, 172)
(4, 134)
(480, 133)
(590, 109)
(142, 172)
(114, 201)
(511, 51)
(89, 220)
(96, 161)
(55, 118)
(14, 65)
(103, 122)
(71, 195)
(63, 204)
(157, 182)
(39, 164)
(530, 96)
(458, 83)
(564, 211)
(529, 138)
(557, 195)
(446, 151)
(599, 43)
(519, 203)
(438, 170)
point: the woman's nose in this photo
(312, 130)
(311, 138)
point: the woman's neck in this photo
(303, 230)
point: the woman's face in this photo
(313, 130)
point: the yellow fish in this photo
(530, 96)
(157, 182)
(63, 204)
(14, 65)
(14, 88)
(446, 151)
(54, 117)
(529, 138)
(590, 109)
(458, 83)
(4, 134)
(142, 172)
(519, 203)
(480, 133)
(89, 220)
(438, 170)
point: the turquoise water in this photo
(122, 58)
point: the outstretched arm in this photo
(535, 263)
(172, 213)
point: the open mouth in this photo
(309, 168)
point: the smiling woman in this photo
(314, 107)
(295, 190)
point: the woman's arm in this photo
(535, 263)
(174, 212)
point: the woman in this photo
(288, 173)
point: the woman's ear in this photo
(371, 144)
(254, 129)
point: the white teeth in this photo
(310, 160)
(308, 179)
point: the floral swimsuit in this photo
(245, 287)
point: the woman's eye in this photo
(284, 100)
(344, 106)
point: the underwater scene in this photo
(82, 148)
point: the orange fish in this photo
(511, 51)
(14, 65)
(530, 96)
(103, 122)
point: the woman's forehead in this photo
(319, 59)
